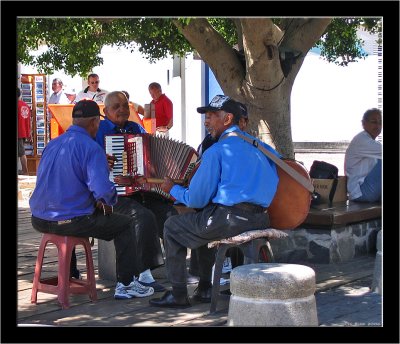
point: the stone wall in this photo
(322, 245)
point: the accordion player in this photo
(151, 157)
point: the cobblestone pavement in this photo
(352, 304)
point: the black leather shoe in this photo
(202, 295)
(226, 292)
(170, 301)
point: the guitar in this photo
(291, 203)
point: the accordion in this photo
(151, 157)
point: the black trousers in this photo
(147, 241)
(195, 230)
(160, 207)
(117, 227)
(148, 216)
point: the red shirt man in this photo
(24, 120)
(163, 107)
(24, 130)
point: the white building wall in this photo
(328, 101)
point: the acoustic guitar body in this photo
(291, 203)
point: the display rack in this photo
(34, 93)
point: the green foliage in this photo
(340, 43)
(74, 44)
(158, 38)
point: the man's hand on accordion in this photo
(124, 180)
(106, 209)
(167, 184)
(111, 159)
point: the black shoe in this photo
(75, 274)
(226, 292)
(202, 295)
(170, 301)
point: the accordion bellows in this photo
(149, 156)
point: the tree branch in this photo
(303, 33)
(214, 51)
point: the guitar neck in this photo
(161, 180)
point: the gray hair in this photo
(111, 95)
(58, 81)
(369, 112)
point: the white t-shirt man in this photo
(97, 96)
(362, 154)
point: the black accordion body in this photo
(151, 157)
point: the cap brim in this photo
(205, 109)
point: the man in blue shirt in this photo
(116, 108)
(73, 185)
(149, 213)
(234, 185)
(233, 252)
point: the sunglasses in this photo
(94, 82)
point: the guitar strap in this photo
(290, 171)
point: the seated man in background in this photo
(363, 160)
(138, 108)
(73, 188)
(232, 200)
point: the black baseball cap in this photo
(85, 108)
(221, 102)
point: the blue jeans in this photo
(371, 188)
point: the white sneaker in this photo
(227, 266)
(134, 289)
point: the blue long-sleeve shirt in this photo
(231, 171)
(72, 174)
(107, 127)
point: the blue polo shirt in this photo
(107, 127)
(231, 171)
(72, 175)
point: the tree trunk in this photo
(264, 82)
(269, 120)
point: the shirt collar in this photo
(229, 130)
(78, 129)
(112, 126)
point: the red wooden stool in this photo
(62, 285)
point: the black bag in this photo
(324, 170)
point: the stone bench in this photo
(332, 234)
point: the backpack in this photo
(324, 170)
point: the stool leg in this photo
(64, 262)
(268, 252)
(90, 272)
(219, 261)
(251, 250)
(38, 269)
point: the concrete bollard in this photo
(272, 295)
(377, 279)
